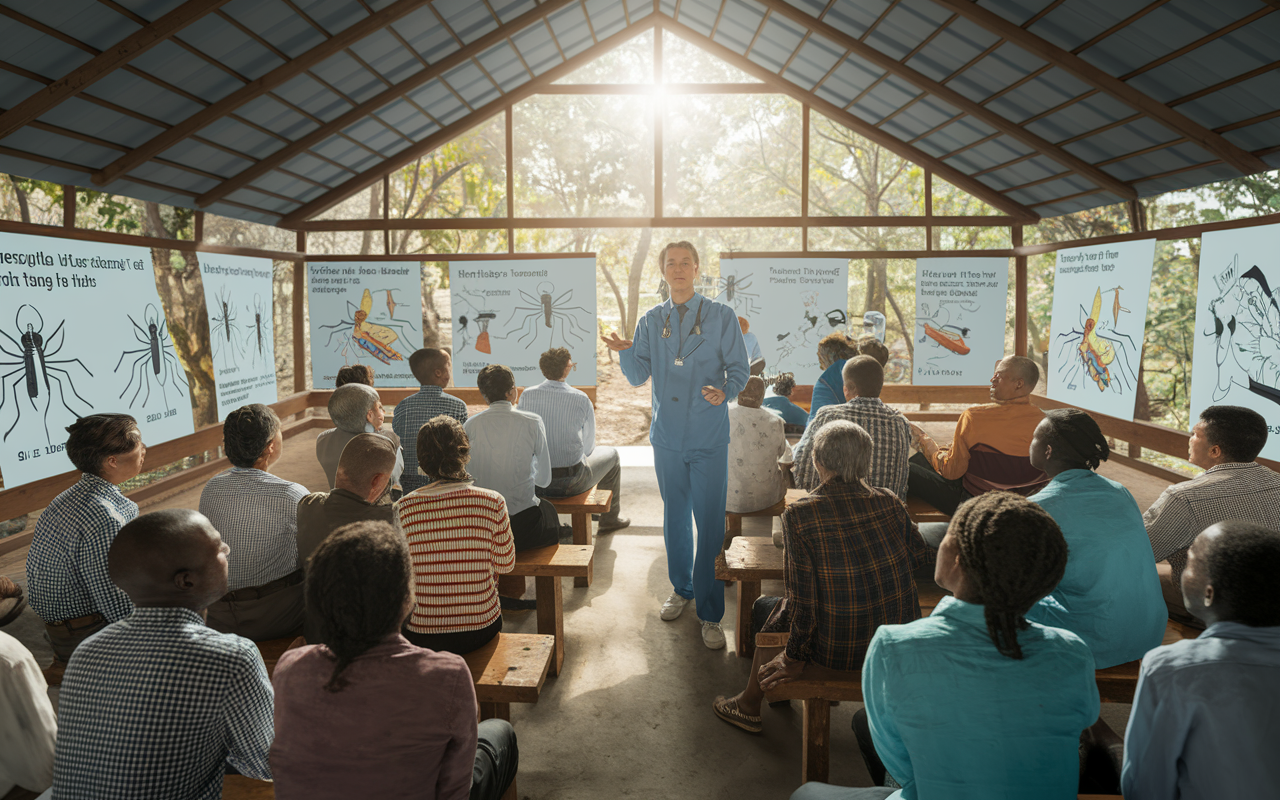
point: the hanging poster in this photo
(82, 331)
(1099, 320)
(512, 311)
(789, 305)
(364, 314)
(961, 306)
(1236, 356)
(237, 297)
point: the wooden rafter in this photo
(359, 112)
(256, 88)
(1231, 154)
(954, 98)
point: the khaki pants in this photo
(273, 614)
(64, 637)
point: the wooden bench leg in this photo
(582, 535)
(550, 596)
(495, 711)
(817, 740)
(510, 793)
(748, 592)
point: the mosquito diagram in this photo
(733, 289)
(547, 308)
(358, 336)
(34, 367)
(802, 336)
(156, 360)
(1102, 353)
(479, 317)
(256, 340)
(225, 346)
(941, 326)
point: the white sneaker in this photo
(712, 636)
(674, 605)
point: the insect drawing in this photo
(732, 291)
(1101, 357)
(222, 325)
(550, 311)
(1245, 333)
(479, 317)
(939, 326)
(358, 335)
(257, 338)
(837, 317)
(156, 360)
(34, 367)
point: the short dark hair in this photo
(1025, 368)
(355, 373)
(866, 375)
(1243, 562)
(837, 347)
(247, 431)
(444, 449)
(871, 346)
(93, 439)
(785, 384)
(554, 362)
(1076, 437)
(1240, 432)
(423, 363)
(494, 381)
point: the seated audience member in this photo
(890, 432)
(67, 582)
(257, 515)
(355, 373)
(433, 370)
(780, 401)
(850, 552)
(336, 703)
(974, 702)
(27, 725)
(755, 356)
(871, 346)
(1110, 595)
(757, 440)
(509, 455)
(1224, 443)
(1203, 724)
(157, 704)
(12, 601)
(354, 409)
(834, 349)
(570, 422)
(364, 475)
(459, 536)
(989, 449)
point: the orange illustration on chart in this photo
(376, 339)
(1098, 353)
(952, 341)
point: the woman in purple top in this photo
(369, 714)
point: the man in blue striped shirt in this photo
(576, 463)
(434, 370)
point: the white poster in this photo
(1236, 357)
(237, 296)
(512, 311)
(365, 314)
(82, 331)
(1099, 320)
(961, 306)
(789, 305)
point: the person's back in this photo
(791, 413)
(434, 370)
(28, 729)
(757, 440)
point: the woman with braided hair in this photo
(336, 703)
(973, 701)
(1110, 595)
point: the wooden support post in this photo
(511, 178)
(386, 211)
(550, 593)
(928, 209)
(1019, 296)
(199, 225)
(68, 206)
(658, 201)
(299, 338)
(816, 762)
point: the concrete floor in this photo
(630, 716)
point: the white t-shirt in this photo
(27, 725)
(757, 440)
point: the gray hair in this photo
(843, 448)
(349, 406)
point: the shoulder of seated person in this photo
(314, 498)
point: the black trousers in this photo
(461, 643)
(497, 759)
(536, 526)
(924, 482)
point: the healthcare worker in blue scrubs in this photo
(693, 349)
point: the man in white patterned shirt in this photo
(757, 441)
(576, 463)
(890, 432)
(257, 514)
(1224, 443)
(157, 704)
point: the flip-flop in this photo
(726, 708)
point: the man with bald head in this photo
(1203, 723)
(158, 704)
(757, 439)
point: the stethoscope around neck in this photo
(697, 322)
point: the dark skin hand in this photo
(781, 669)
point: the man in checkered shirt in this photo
(157, 705)
(257, 514)
(1224, 443)
(434, 370)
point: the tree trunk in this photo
(632, 315)
(907, 333)
(366, 241)
(877, 280)
(23, 206)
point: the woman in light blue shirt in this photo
(973, 702)
(1110, 595)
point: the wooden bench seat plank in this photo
(748, 560)
(511, 668)
(560, 560)
(580, 507)
(920, 511)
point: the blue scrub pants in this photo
(694, 483)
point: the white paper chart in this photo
(365, 313)
(961, 306)
(237, 297)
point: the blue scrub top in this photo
(791, 413)
(682, 418)
(953, 718)
(754, 352)
(828, 390)
(1110, 595)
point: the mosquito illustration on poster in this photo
(358, 336)
(34, 375)
(942, 328)
(156, 361)
(550, 311)
(257, 339)
(479, 316)
(1097, 352)
(224, 330)
(732, 289)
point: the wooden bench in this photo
(580, 507)
(547, 565)
(748, 560)
(1117, 684)
(733, 519)
(920, 511)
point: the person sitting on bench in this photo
(863, 379)
(1110, 595)
(354, 409)
(1203, 724)
(433, 369)
(871, 346)
(257, 515)
(850, 552)
(973, 702)
(337, 703)
(459, 536)
(28, 728)
(780, 401)
(756, 443)
(157, 704)
(67, 582)
(989, 449)
(354, 373)
(1224, 443)
(833, 350)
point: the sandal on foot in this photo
(727, 709)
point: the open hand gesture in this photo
(615, 342)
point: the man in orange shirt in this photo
(990, 447)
